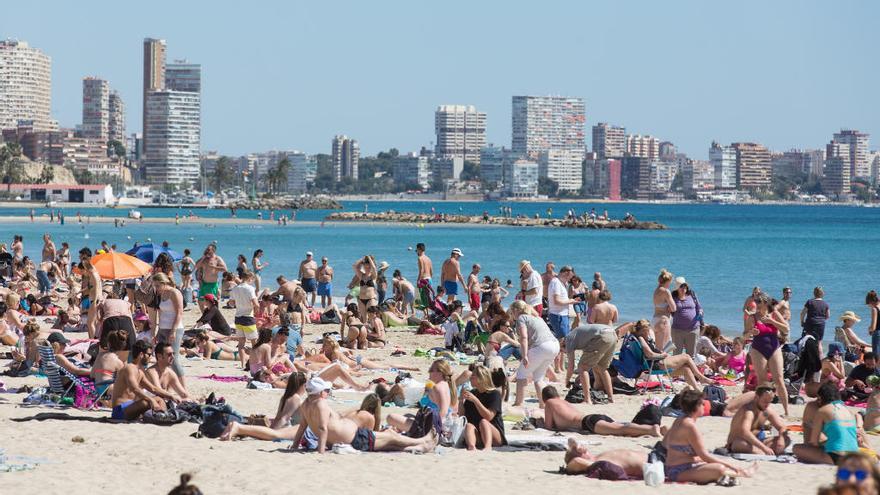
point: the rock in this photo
(423, 218)
(300, 203)
(78, 439)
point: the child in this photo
(735, 360)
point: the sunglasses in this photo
(845, 474)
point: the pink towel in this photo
(853, 403)
(225, 379)
(724, 382)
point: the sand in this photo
(148, 459)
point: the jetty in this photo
(300, 203)
(580, 222)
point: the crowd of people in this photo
(137, 344)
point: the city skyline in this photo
(776, 97)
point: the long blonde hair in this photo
(442, 367)
(373, 405)
(484, 378)
(664, 277)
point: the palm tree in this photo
(281, 171)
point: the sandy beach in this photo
(148, 459)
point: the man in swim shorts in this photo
(208, 269)
(130, 398)
(331, 428)
(450, 275)
(423, 282)
(750, 426)
(559, 415)
(474, 288)
(245, 297)
(308, 270)
(325, 283)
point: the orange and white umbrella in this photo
(119, 266)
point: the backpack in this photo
(576, 394)
(424, 422)
(145, 293)
(216, 417)
(330, 317)
(630, 362)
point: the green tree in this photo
(10, 164)
(281, 171)
(677, 182)
(47, 174)
(223, 175)
(470, 171)
(547, 187)
(115, 147)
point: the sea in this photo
(722, 250)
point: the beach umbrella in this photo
(149, 252)
(119, 266)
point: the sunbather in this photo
(130, 397)
(559, 415)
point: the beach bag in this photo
(453, 430)
(423, 423)
(630, 362)
(216, 417)
(146, 294)
(653, 471)
(330, 317)
(168, 417)
(650, 414)
(714, 393)
(84, 396)
(576, 394)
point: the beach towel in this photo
(649, 385)
(856, 403)
(724, 382)
(224, 379)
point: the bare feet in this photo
(230, 431)
(657, 431)
(749, 471)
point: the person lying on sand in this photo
(750, 425)
(559, 415)
(331, 428)
(578, 459)
(130, 398)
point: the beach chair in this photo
(631, 363)
(55, 373)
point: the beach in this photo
(147, 459)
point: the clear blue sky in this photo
(290, 75)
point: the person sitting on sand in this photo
(481, 407)
(748, 429)
(264, 367)
(213, 317)
(559, 415)
(352, 329)
(439, 396)
(108, 361)
(287, 417)
(872, 410)
(375, 328)
(500, 343)
(161, 375)
(687, 459)
(578, 460)
(734, 360)
(831, 419)
(130, 397)
(331, 428)
(26, 360)
(714, 408)
(680, 364)
(858, 471)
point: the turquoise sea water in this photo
(722, 250)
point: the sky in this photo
(291, 75)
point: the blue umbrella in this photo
(149, 252)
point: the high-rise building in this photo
(837, 180)
(602, 177)
(697, 175)
(345, 154)
(662, 174)
(723, 160)
(411, 170)
(443, 169)
(154, 75)
(461, 132)
(116, 108)
(642, 146)
(494, 162)
(521, 180)
(95, 109)
(858, 151)
(635, 177)
(25, 86)
(609, 141)
(874, 159)
(38, 146)
(753, 168)
(172, 137)
(796, 162)
(542, 123)
(183, 76)
(563, 167)
(302, 173)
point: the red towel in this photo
(724, 382)
(225, 379)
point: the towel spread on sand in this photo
(224, 379)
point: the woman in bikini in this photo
(687, 459)
(286, 420)
(108, 361)
(330, 349)
(501, 343)
(208, 349)
(366, 274)
(8, 336)
(679, 364)
(764, 328)
(352, 329)
(664, 305)
(263, 366)
(735, 359)
(297, 310)
(258, 266)
(375, 328)
(832, 367)
(440, 396)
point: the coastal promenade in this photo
(438, 218)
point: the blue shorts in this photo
(85, 304)
(119, 411)
(451, 287)
(325, 288)
(309, 285)
(560, 325)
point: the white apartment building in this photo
(697, 175)
(412, 169)
(542, 123)
(858, 151)
(609, 141)
(642, 146)
(723, 160)
(95, 109)
(345, 154)
(302, 172)
(565, 167)
(25, 86)
(460, 131)
(522, 179)
(662, 175)
(171, 154)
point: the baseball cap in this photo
(210, 297)
(309, 253)
(457, 251)
(316, 385)
(57, 338)
(139, 315)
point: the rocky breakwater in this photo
(301, 203)
(423, 218)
